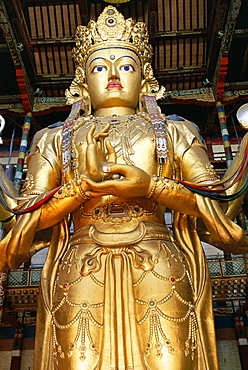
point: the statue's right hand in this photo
(95, 155)
(131, 182)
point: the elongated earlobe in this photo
(79, 89)
(87, 100)
(76, 91)
(145, 87)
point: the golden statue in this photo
(123, 291)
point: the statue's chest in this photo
(134, 144)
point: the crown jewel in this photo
(110, 28)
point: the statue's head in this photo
(113, 62)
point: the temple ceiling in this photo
(200, 55)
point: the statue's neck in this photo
(120, 111)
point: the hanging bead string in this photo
(158, 126)
(153, 312)
(66, 134)
(82, 317)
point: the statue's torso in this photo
(135, 144)
(123, 288)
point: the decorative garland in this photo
(158, 126)
(66, 133)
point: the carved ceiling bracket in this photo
(15, 50)
(222, 64)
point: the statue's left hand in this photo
(134, 182)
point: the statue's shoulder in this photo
(182, 133)
(47, 138)
(182, 126)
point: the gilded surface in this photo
(123, 292)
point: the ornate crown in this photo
(111, 28)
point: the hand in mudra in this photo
(134, 182)
(95, 153)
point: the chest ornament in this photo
(124, 132)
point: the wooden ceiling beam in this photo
(84, 12)
(172, 34)
(22, 36)
(152, 21)
(222, 63)
(10, 99)
(55, 41)
(50, 1)
(236, 85)
(216, 29)
(180, 71)
(221, 31)
(54, 78)
(245, 63)
(16, 48)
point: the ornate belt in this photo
(118, 212)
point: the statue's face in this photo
(114, 78)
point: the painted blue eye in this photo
(99, 69)
(127, 68)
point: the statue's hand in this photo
(95, 155)
(134, 182)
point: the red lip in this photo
(114, 84)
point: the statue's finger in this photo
(89, 135)
(95, 194)
(106, 128)
(106, 186)
(103, 132)
(111, 152)
(100, 135)
(123, 169)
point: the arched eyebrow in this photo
(128, 56)
(124, 56)
(97, 58)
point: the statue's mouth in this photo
(114, 84)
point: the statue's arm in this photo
(192, 165)
(173, 195)
(214, 224)
(7, 218)
(45, 170)
(45, 178)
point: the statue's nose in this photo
(113, 72)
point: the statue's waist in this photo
(114, 237)
(118, 213)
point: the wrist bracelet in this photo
(67, 190)
(71, 189)
(166, 183)
(155, 180)
(82, 192)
